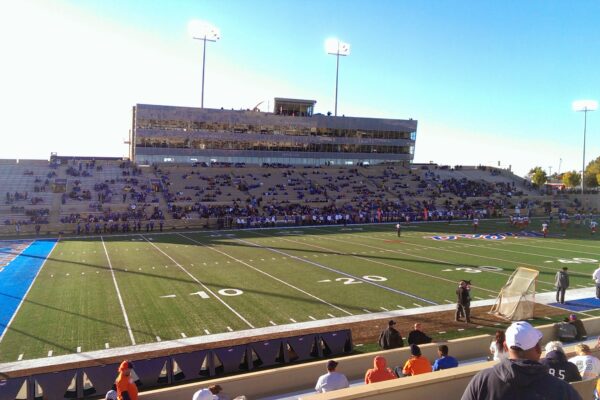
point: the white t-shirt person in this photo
(332, 380)
(588, 366)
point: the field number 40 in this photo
(577, 260)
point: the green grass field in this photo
(122, 290)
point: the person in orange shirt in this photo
(380, 372)
(126, 387)
(416, 364)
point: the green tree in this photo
(537, 176)
(592, 172)
(571, 179)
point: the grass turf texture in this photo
(191, 284)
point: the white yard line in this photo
(28, 289)
(266, 273)
(240, 316)
(358, 278)
(112, 271)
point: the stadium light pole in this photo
(201, 30)
(337, 48)
(585, 106)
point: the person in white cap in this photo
(520, 376)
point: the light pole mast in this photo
(337, 48)
(204, 31)
(585, 106)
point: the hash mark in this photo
(106, 346)
(20, 357)
(311, 317)
(158, 338)
(272, 323)
(207, 331)
(441, 332)
(50, 353)
(293, 320)
(332, 316)
(384, 309)
(448, 301)
(183, 335)
(229, 329)
(418, 305)
(79, 349)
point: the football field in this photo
(90, 293)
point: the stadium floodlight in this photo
(201, 30)
(337, 48)
(585, 106)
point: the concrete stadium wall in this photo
(449, 384)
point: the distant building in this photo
(291, 134)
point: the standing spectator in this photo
(578, 324)
(596, 277)
(561, 281)
(416, 364)
(390, 338)
(126, 387)
(380, 372)
(497, 348)
(587, 364)
(416, 336)
(398, 229)
(463, 304)
(445, 361)
(520, 376)
(332, 380)
(557, 363)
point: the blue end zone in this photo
(16, 278)
(580, 305)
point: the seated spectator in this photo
(565, 331)
(445, 361)
(210, 393)
(520, 376)
(416, 364)
(578, 324)
(111, 395)
(497, 349)
(332, 380)
(416, 336)
(557, 363)
(588, 365)
(380, 372)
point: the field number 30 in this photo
(577, 260)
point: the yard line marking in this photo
(338, 271)
(20, 357)
(79, 349)
(112, 271)
(229, 329)
(158, 339)
(27, 292)
(311, 317)
(384, 309)
(106, 346)
(183, 335)
(50, 353)
(332, 316)
(265, 273)
(207, 331)
(293, 320)
(200, 283)
(272, 323)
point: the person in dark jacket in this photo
(520, 376)
(581, 332)
(390, 338)
(558, 365)
(561, 281)
(416, 336)
(463, 302)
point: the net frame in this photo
(516, 300)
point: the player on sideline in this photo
(545, 229)
(398, 229)
(593, 226)
(475, 224)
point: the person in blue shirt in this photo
(445, 361)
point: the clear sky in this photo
(488, 81)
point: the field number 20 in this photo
(477, 270)
(351, 281)
(577, 260)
